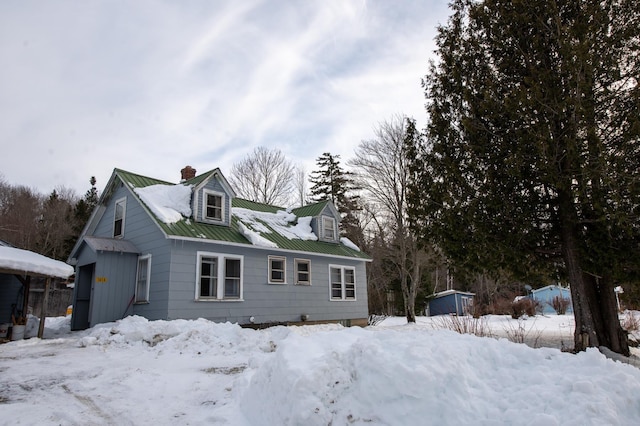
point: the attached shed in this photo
(545, 296)
(17, 267)
(450, 302)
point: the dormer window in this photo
(213, 206)
(328, 228)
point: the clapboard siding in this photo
(261, 300)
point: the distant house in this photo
(194, 250)
(450, 302)
(545, 295)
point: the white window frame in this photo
(344, 286)
(271, 270)
(121, 201)
(220, 276)
(296, 272)
(205, 197)
(325, 228)
(145, 297)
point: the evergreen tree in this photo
(81, 214)
(534, 133)
(331, 182)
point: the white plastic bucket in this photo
(17, 332)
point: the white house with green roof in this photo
(193, 249)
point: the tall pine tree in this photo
(331, 182)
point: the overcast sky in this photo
(150, 86)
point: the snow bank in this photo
(389, 377)
(136, 371)
(170, 203)
(29, 262)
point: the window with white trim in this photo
(342, 282)
(213, 206)
(219, 277)
(302, 271)
(118, 217)
(328, 228)
(277, 270)
(143, 278)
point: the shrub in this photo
(560, 304)
(630, 322)
(463, 324)
(524, 306)
(520, 333)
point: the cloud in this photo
(150, 86)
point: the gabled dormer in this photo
(325, 221)
(211, 200)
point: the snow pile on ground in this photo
(284, 223)
(136, 371)
(170, 203)
(29, 262)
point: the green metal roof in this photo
(139, 181)
(188, 228)
(311, 209)
(258, 207)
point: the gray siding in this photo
(145, 234)
(113, 287)
(265, 302)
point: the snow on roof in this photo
(282, 222)
(448, 292)
(255, 238)
(30, 263)
(347, 242)
(170, 203)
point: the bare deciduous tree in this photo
(381, 169)
(300, 185)
(264, 176)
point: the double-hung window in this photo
(219, 277)
(213, 206)
(302, 272)
(143, 278)
(277, 270)
(118, 218)
(328, 228)
(342, 282)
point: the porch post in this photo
(45, 303)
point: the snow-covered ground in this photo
(136, 372)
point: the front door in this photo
(82, 302)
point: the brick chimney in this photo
(188, 173)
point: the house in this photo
(17, 269)
(450, 302)
(545, 295)
(194, 250)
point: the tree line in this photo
(46, 224)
